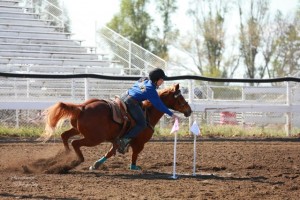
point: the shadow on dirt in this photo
(15, 196)
(168, 176)
(4, 139)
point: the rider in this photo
(143, 89)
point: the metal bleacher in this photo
(25, 39)
(30, 44)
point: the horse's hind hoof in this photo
(92, 168)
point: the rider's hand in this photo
(175, 117)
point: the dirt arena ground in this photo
(225, 169)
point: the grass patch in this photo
(229, 131)
(27, 131)
(21, 131)
(206, 131)
(240, 131)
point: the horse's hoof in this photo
(135, 167)
(92, 168)
(75, 163)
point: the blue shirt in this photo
(146, 90)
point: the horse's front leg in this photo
(137, 146)
(109, 154)
(136, 149)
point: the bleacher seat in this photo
(25, 39)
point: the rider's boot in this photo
(123, 144)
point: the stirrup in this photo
(123, 145)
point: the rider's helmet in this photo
(156, 74)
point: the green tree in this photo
(133, 22)
(288, 54)
(161, 44)
(287, 58)
(206, 43)
(136, 24)
(281, 42)
(251, 30)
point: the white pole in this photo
(174, 161)
(194, 163)
(191, 96)
(196, 131)
(288, 114)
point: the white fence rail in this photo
(256, 106)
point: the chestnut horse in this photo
(93, 120)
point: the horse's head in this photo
(173, 99)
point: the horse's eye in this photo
(177, 94)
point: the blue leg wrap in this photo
(102, 160)
(99, 162)
(135, 167)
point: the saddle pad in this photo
(116, 112)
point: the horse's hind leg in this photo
(66, 135)
(83, 142)
(109, 154)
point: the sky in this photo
(85, 15)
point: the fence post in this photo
(86, 86)
(191, 95)
(73, 88)
(17, 119)
(288, 114)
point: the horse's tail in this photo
(55, 116)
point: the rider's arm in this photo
(158, 104)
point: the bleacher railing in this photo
(134, 59)
(47, 11)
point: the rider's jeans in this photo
(137, 114)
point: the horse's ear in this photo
(176, 86)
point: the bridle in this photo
(178, 94)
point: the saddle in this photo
(120, 114)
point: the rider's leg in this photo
(138, 115)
